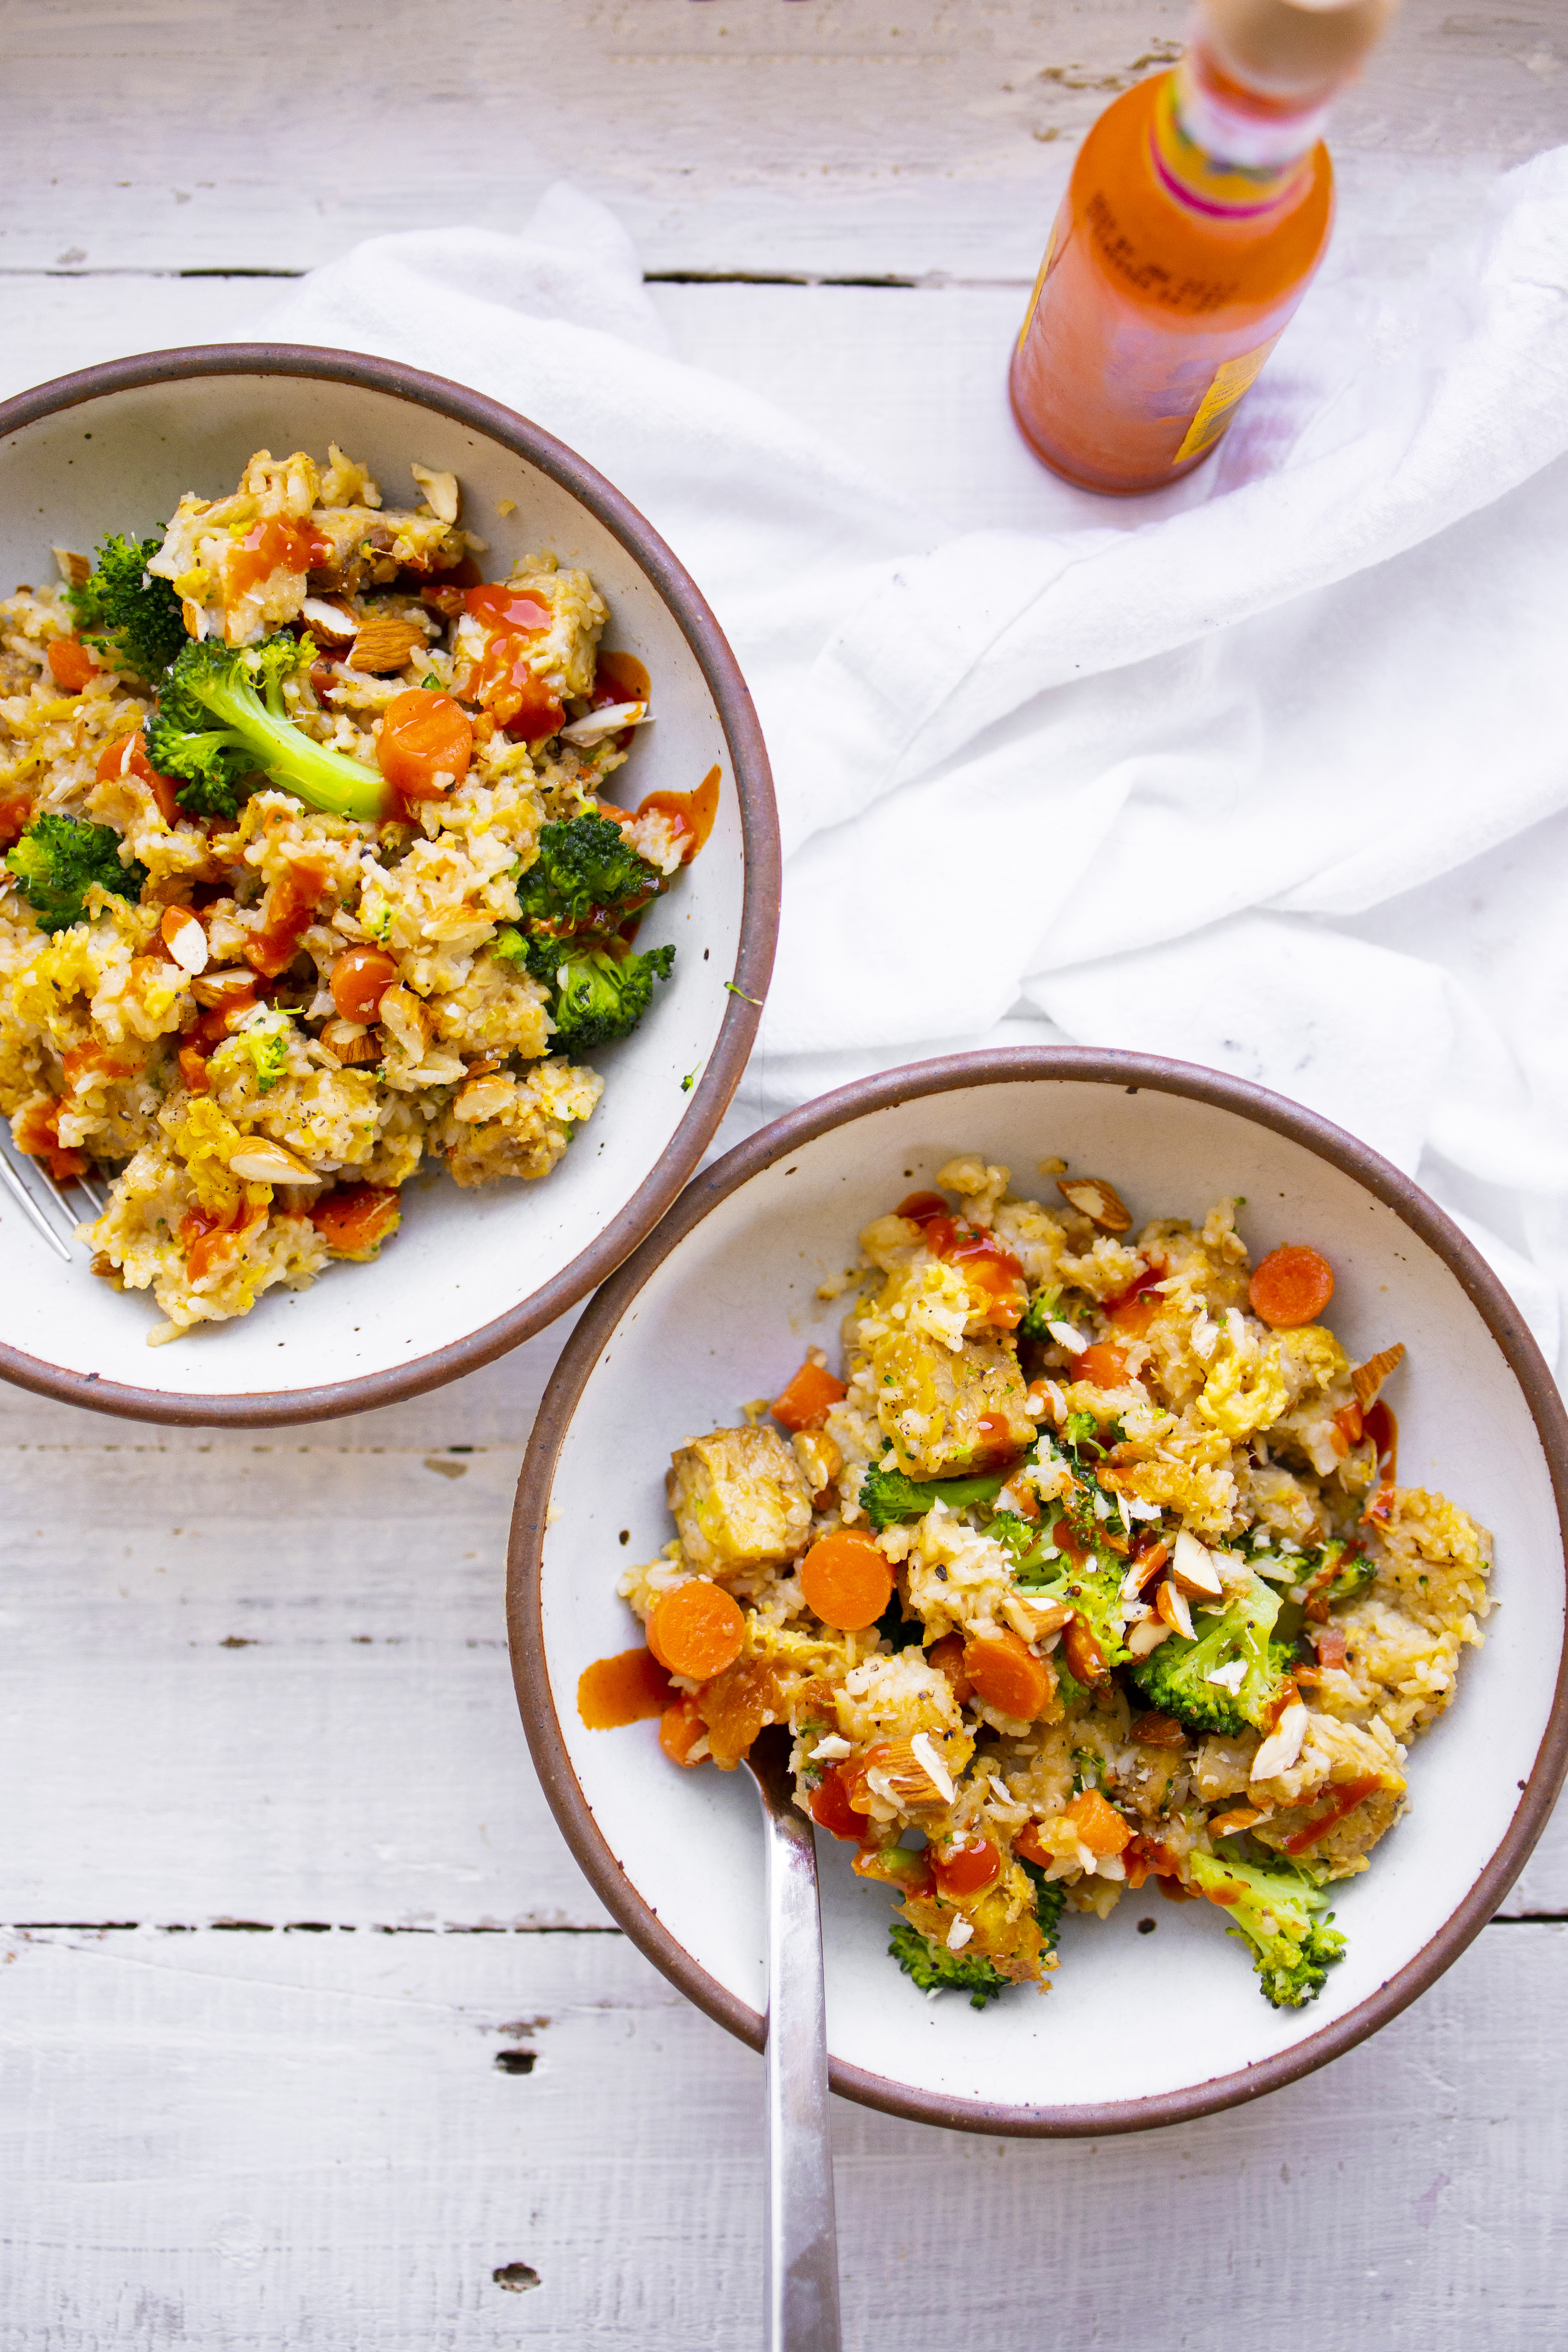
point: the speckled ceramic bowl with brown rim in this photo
(1138, 2028)
(471, 1273)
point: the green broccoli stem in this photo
(323, 779)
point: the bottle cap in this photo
(1296, 49)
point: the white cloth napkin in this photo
(1267, 771)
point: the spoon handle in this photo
(802, 2258)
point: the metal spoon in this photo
(802, 2254)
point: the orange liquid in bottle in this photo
(1171, 272)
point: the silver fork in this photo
(801, 2278)
(17, 1184)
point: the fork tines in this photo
(21, 1181)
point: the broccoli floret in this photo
(221, 722)
(1355, 1577)
(936, 1969)
(1175, 1677)
(1050, 1900)
(123, 610)
(596, 993)
(1044, 1306)
(1094, 1591)
(1086, 1441)
(585, 882)
(1273, 1911)
(599, 996)
(1337, 1573)
(886, 1495)
(586, 877)
(58, 860)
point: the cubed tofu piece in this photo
(945, 1411)
(740, 1500)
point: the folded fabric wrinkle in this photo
(1269, 771)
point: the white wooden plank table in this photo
(310, 2032)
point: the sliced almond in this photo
(1157, 1730)
(194, 617)
(351, 1042)
(931, 1764)
(401, 1011)
(1368, 1378)
(1034, 1621)
(482, 1099)
(259, 1161)
(186, 939)
(1170, 1600)
(1098, 1199)
(74, 570)
(230, 987)
(1283, 1745)
(385, 644)
(330, 620)
(1147, 1636)
(1143, 1569)
(440, 492)
(598, 724)
(1230, 1824)
(1193, 1570)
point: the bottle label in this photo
(1223, 153)
(1229, 381)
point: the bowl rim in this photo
(1132, 1072)
(760, 878)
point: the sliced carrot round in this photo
(1105, 1364)
(1027, 1842)
(947, 1656)
(425, 738)
(354, 1220)
(695, 1628)
(1096, 1824)
(846, 1581)
(1292, 1286)
(1007, 1676)
(361, 978)
(968, 1868)
(70, 664)
(805, 1402)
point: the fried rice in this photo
(185, 1036)
(1091, 1569)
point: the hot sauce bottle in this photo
(1198, 210)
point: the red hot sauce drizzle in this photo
(990, 1270)
(502, 681)
(1379, 1423)
(277, 545)
(691, 814)
(627, 1688)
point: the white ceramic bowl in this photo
(470, 1274)
(716, 1307)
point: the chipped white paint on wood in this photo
(840, 136)
(224, 2139)
(265, 1679)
